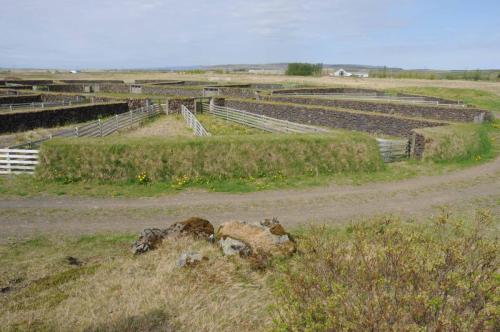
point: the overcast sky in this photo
(447, 34)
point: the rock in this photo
(73, 261)
(194, 226)
(189, 259)
(151, 238)
(5, 289)
(267, 237)
(232, 247)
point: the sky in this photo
(425, 34)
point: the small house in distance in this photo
(343, 73)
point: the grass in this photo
(378, 274)
(217, 126)
(26, 185)
(208, 159)
(482, 99)
(459, 143)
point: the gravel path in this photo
(418, 198)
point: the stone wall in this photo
(27, 82)
(20, 99)
(174, 105)
(171, 91)
(46, 118)
(372, 123)
(327, 90)
(417, 145)
(412, 110)
(75, 88)
(238, 92)
(114, 87)
(92, 81)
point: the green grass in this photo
(26, 185)
(482, 99)
(207, 159)
(458, 143)
(217, 126)
(392, 275)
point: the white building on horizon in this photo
(343, 73)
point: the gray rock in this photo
(149, 239)
(232, 247)
(190, 259)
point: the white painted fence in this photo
(262, 122)
(193, 122)
(15, 161)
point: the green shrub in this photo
(392, 276)
(304, 69)
(459, 142)
(229, 157)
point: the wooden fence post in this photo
(76, 131)
(100, 127)
(116, 122)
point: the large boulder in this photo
(151, 238)
(267, 237)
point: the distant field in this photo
(377, 83)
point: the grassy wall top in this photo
(228, 157)
(460, 142)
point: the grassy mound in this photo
(456, 142)
(230, 157)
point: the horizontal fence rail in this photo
(39, 105)
(374, 97)
(393, 150)
(100, 128)
(15, 161)
(260, 121)
(193, 122)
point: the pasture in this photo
(389, 188)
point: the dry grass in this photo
(118, 292)
(375, 83)
(383, 274)
(164, 126)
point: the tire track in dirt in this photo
(418, 198)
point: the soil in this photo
(419, 198)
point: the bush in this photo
(208, 158)
(459, 142)
(392, 276)
(304, 69)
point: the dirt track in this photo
(421, 197)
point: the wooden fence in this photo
(15, 161)
(393, 150)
